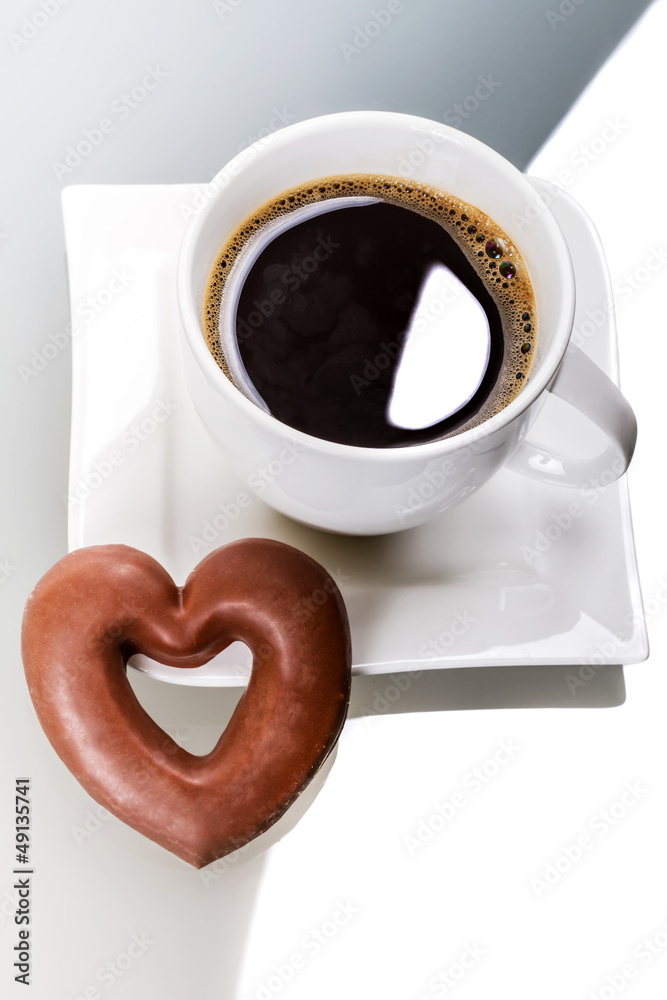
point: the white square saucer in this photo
(509, 577)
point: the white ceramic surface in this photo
(362, 491)
(517, 574)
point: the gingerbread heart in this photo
(99, 605)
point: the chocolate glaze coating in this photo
(99, 605)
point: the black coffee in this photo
(379, 325)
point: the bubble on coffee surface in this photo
(488, 249)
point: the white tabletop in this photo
(489, 848)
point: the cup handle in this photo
(583, 385)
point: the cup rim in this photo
(440, 447)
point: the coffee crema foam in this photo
(493, 255)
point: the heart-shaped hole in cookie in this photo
(192, 715)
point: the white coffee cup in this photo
(359, 490)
